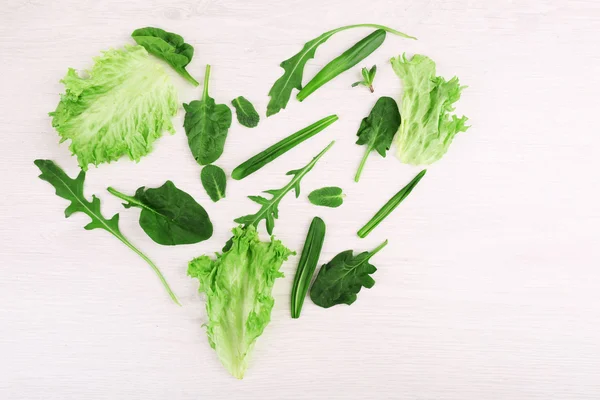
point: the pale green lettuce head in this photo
(427, 126)
(121, 107)
(238, 286)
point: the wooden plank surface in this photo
(488, 291)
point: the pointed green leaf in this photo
(72, 190)
(245, 112)
(340, 280)
(214, 182)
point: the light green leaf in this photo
(238, 285)
(428, 124)
(330, 196)
(120, 108)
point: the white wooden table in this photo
(489, 290)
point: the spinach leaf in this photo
(339, 281)
(368, 78)
(72, 190)
(206, 125)
(167, 46)
(214, 182)
(378, 129)
(344, 62)
(330, 196)
(269, 209)
(245, 112)
(269, 154)
(294, 67)
(169, 215)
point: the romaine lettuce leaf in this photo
(238, 286)
(121, 107)
(427, 127)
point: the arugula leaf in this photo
(214, 182)
(245, 112)
(330, 196)
(169, 215)
(294, 67)
(269, 210)
(339, 281)
(348, 59)
(269, 154)
(378, 129)
(368, 78)
(167, 46)
(72, 190)
(206, 125)
(120, 108)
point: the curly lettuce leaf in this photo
(120, 108)
(427, 127)
(238, 286)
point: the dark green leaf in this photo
(245, 112)
(344, 62)
(169, 215)
(214, 182)
(206, 125)
(294, 67)
(307, 264)
(258, 161)
(390, 206)
(378, 129)
(330, 196)
(339, 281)
(269, 210)
(72, 190)
(167, 46)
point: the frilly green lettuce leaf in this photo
(120, 108)
(238, 286)
(427, 127)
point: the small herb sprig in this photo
(368, 78)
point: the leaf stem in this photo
(378, 248)
(362, 164)
(152, 265)
(120, 195)
(206, 78)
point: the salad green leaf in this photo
(378, 129)
(214, 182)
(329, 196)
(238, 285)
(261, 159)
(72, 190)
(120, 108)
(269, 208)
(294, 67)
(206, 125)
(307, 264)
(428, 128)
(368, 78)
(390, 206)
(167, 46)
(339, 281)
(344, 62)
(169, 215)
(245, 112)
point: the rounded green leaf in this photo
(330, 196)
(214, 182)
